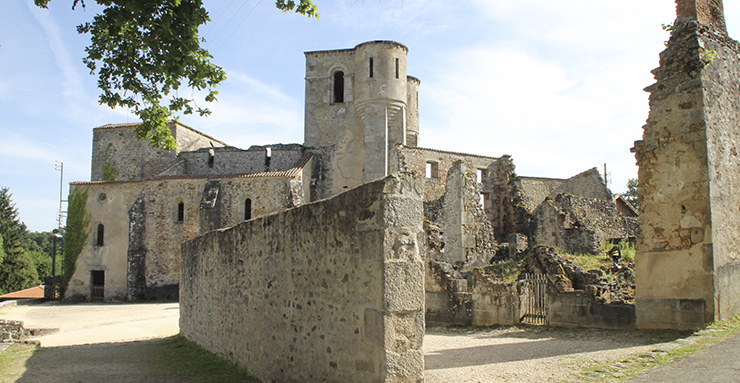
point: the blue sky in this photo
(556, 84)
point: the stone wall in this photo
(467, 232)
(580, 309)
(688, 258)
(11, 330)
(142, 227)
(329, 291)
(578, 224)
(117, 147)
(415, 160)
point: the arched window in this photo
(181, 211)
(247, 209)
(101, 234)
(338, 86)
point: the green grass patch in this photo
(508, 270)
(633, 365)
(13, 361)
(177, 356)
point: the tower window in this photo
(247, 209)
(371, 67)
(397, 68)
(101, 234)
(181, 212)
(339, 87)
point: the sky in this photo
(558, 85)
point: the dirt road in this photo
(94, 343)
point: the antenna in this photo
(61, 214)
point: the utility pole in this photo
(59, 166)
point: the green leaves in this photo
(304, 7)
(143, 52)
(75, 233)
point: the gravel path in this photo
(97, 323)
(534, 354)
(531, 355)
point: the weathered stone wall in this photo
(141, 224)
(231, 160)
(468, 235)
(687, 260)
(578, 224)
(535, 190)
(117, 146)
(11, 330)
(357, 111)
(415, 160)
(330, 291)
(588, 184)
(580, 309)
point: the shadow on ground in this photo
(534, 343)
(156, 361)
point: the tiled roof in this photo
(32, 293)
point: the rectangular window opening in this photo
(371, 67)
(432, 169)
(397, 68)
(481, 174)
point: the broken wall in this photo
(330, 291)
(579, 225)
(688, 260)
(140, 254)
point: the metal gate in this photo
(535, 301)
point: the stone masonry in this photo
(331, 291)
(688, 258)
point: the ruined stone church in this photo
(361, 124)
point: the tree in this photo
(17, 271)
(143, 51)
(631, 194)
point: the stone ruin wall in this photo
(136, 159)
(329, 291)
(688, 257)
(149, 242)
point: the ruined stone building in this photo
(361, 124)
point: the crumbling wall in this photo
(579, 225)
(688, 259)
(588, 184)
(468, 235)
(142, 231)
(331, 291)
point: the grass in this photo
(633, 365)
(13, 361)
(173, 359)
(178, 357)
(507, 270)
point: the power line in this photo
(237, 27)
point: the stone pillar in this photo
(708, 12)
(687, 262)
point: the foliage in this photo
(143, 51)
(75, 234)
(42, 264)
(17, 271)
(508, 270)
(631, 194)
(110, 172)
(11, 229)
